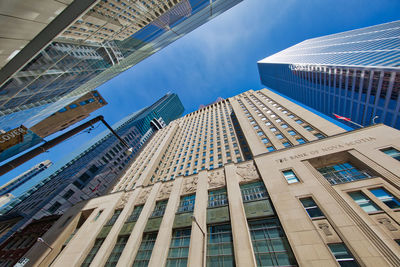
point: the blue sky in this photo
(220, 57)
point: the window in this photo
(286, 144)
(300, 140)
(219, 246)
(387, 198)
(265, 140)
(54, 207)
(319, 135)
(394, 153)
(364, 202)
(117, 251)
(279, 136)
(68, 194)
(187, 203)
(92, 253)
(159, 209)
(217, 198)
(291, 132)
(284, 126)
(135, 214)
(72, 106)
(253, 191)
(342, 255)
(311, 207)
(343, 173)
(270, 148)
(290, 177)
(308, 128)
(114, 217)
(270, 244)
(299, 121)
(146, 247)
(179, 248)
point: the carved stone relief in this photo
(387, 223)
(216, 179)
(247, 172)
(325, 228)
(165, 190)
(143, 196)
(123, 200)
(189, 185)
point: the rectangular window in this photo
(68, 194)
(286, 144)
(220, 246)
(253, 191)
(270, 244)
(342, 255)
(135, 214)
(387, 198)
(117, 251)
(159, 209)
(300, 140)
(291, 132)
(364, 202)
(114, 217)
(179, 248)
(394, 153)
(311, 207)
(290, 176)
(146, 247)
(343, 173)
(54, 207)
(217, 198)
(319, 135)
(92, 253)
(187, 203)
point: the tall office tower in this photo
(253, 180)
(87, 44)
(355, 74)
(13, 184)
(92, 169)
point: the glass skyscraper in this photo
(107, 39)
(355, 74)
(93, 168)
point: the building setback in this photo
(239, 195)
(355, 74)
(92, 170)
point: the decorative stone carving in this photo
(387, 223)
(216, 179)
(165, 190)
(325, 228)
(144, 194)
(189, 185)
(247, 172)
(123, 200)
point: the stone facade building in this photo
(253, 180)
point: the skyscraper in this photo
(92, 169)
(24, 177)
(90, 42)
(253, 180)
(355, 74)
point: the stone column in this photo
(161, 246)
(129, 253)
(109, 243)
(243, 248)
(197, 240)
